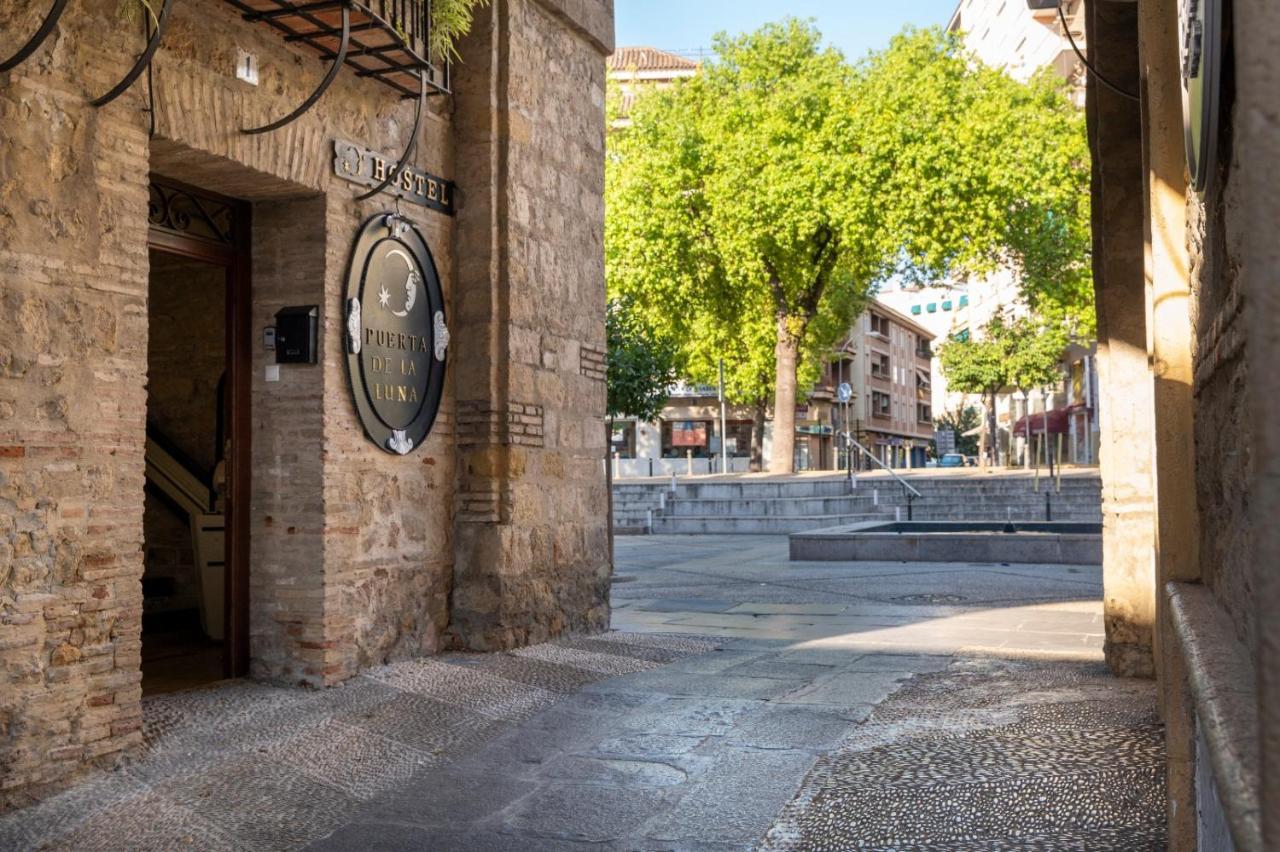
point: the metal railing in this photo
(911, 493)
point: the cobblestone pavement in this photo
(991, 754)
(747, 703)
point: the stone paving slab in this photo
(246, 767)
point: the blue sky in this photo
(854, 26)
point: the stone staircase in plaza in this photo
(726, 506)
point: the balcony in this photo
(384, 40)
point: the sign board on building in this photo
(945, 439)
(688, 433)
(396, 337)
(369, 168)
(1200, 37)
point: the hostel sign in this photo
(395, 332)
(369, 168)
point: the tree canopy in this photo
(751, 208)
(1006, 354)
(640, 367)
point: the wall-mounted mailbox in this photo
(297, 329)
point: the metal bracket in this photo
(413, 142)
(143, 61)
(38, 39)
(324, 84)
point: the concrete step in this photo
(741, 490)
(759, 525)
(771, 506)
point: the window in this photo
(623, 440)
(879, 325)
(879, 404)
(915, 310)
(880, 365)
(924, 412)
(923, 349)
(932, 307)
(739, 441)
(946, 306)
(923, 382)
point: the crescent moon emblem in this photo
(410, 283)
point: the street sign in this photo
(844, 392)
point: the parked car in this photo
(951, 460)
(972, 461)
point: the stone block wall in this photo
(1224, 427)
(531, 562)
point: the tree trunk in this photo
(786, 351)
(608, 482)
(994, 439)
(757, 435)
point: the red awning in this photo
(1059, 422)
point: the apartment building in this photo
(636, 69)
(886, 360)
(1023, 36)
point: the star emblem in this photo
(384, 298)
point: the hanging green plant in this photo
(128, 10)
(450, 21)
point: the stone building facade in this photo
(1187, 304)
(485, 536)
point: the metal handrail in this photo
(854, 442)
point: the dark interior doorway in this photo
(195, 592)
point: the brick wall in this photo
(73, 332)
(352, 550)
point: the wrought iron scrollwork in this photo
(180, 211)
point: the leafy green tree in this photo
(1005, 354)
(751, 208)
(979, 171)
(735, 212)
(1035, 352)
(979, 364)
(640, 366)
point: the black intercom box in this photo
(297, 329)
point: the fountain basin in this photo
(1054, 542)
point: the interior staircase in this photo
(191, 491)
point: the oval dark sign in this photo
(395, 333)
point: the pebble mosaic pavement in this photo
(244, 766)
(991, 754)
(790, 722)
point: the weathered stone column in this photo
(531, 536)
(1115, 136)
(1169, 332)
